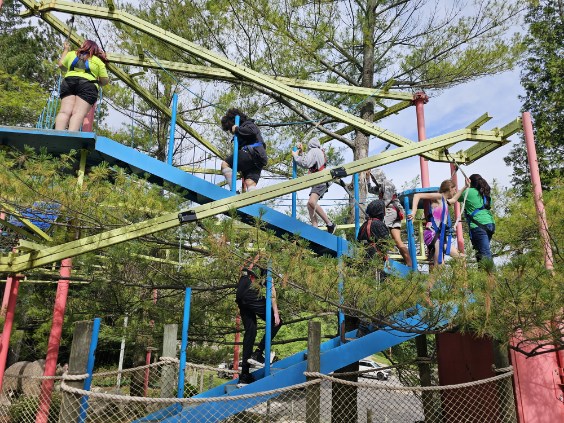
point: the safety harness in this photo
(470, 218)
(440, 232)
(314, 168)
(365, 234)
(81, 63)
(394, 202)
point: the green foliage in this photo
(21, 101)
(544, 95)
(26, 406)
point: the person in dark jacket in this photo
(252, 156)
(252, 304)
(375, 233)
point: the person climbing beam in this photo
(85, 69)
(477, 210)
(252, 304)
(252, 157)
(386, 190)
(315, 160)
(438, 220)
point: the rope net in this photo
(148, 393)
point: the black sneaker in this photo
(331, 228)
(256, 359)
(245, 379)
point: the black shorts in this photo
(81, 87)
(246, 164)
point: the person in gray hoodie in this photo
(314, 160)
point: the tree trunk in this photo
(361, 141)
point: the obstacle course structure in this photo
(214, 200)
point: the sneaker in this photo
(331, 228)
(245, 379)
(256, 359)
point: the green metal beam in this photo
(127, 79)
(483, 148)
(377, 116)
(222, 62)
(480, 121)
(27, 223)
(224, 75)
(48, 255)
(20, 230)
(203, 170)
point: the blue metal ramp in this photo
(284, 373)
(102, 149)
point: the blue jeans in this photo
(481, 241)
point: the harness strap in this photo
(367, 232)
(256, 144)
(470, 219)
(86, 65)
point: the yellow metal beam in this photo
(222, 62)
(16, 263)
(224, 75)
(27, 223)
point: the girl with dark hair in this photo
(252, 156)
(477, 205)
(85, 69)
(438, 220)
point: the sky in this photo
(454, 109)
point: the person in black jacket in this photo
(252, 304)
(252, 156)
(375, 233)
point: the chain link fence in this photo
(148, 394)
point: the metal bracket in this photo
(187, 216)
(339, 172)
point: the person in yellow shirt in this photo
(85, 70)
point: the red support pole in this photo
(147, 370)
(459, 232)
(6, 296)
(420, 99)
(8, 324)
(537, 189)
(54, 341)
(236, 347)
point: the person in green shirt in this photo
(85, 69)
(477, 205)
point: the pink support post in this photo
(459, 233)
(236, 347)
(537, 189)
(6, 296)
(147, 370)
(7, 290)
(420, 99)
(8, 324)
(54, 341)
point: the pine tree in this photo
(543, 80)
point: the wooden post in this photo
(313, 393)
(344, 405)
(168, 374)
(429, 403)
(70, 407)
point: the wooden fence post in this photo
(168, 374)
(70, 407)
(313, 393)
